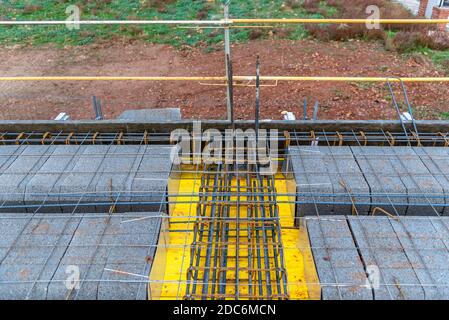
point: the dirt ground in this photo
(44, 100)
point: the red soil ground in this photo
(44, 100)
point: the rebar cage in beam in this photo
(284, 137)
(237, 250)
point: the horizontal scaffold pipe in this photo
(236, 78)
(224, 22)
(344, 21)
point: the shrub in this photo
(409, 41)
(408, 37)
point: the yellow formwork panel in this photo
(301, 272)
(178, 252)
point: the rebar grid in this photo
(237, 249)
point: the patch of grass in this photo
(363, 85)
(140, 9)
(444, 115)
(440, 58)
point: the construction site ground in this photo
(45, 100)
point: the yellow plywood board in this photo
(301, 273)
(180, 238)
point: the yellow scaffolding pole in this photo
(236, 78)
(346, 21)
(224, 22)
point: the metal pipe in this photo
(345, 21)
(220, 78)
(224, 22)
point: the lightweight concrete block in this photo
(348, 180)
(332, 227)
(119, 286)
(441, 278)
(15, 177)
(387, 189)
(354, 283)
(149, 185)
(351, 190)
(418, 181)
(76, 188)
(337, 260)
(409, 267)
(316, 196)
(49, 246)
(8, 154)
(436, 161)
(315, 192)
(403, 284)
(42, 189)
(111, 179)
(152, 115)
(24, 274)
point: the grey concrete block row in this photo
(408, 272)
(113, 255)
(83, 178)
(401, 180)
(329, 180)
(155, 115)
(340, 269)
(410, 255)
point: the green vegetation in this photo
(141, 9)
(397, 38)
(440, 58)
(444, 115)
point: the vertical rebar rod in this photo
(210, 234)
(257, 99)
(225, 235)
(396, 106)
(195, 251)
(278, 241)
(237, 238)
(219, 226)
(230, 90)
(228, 62)
(256, 228)
(266, 253)
(250, 232)
(305, 109)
